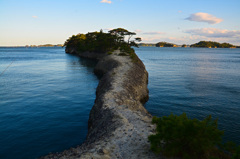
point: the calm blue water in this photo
(46, 95)
(45, 100)
(197, 81)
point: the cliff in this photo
(118, 125)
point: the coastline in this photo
(118, 125)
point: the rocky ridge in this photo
(118, 125)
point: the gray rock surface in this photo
(118, 125)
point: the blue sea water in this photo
(46, 95)
(45, 100)
(198, 81)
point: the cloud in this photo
(153, 33)
(34, 16)
(204, 17)
(214, 32)
(151, 39)
(106, 1)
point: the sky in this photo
(36, 22)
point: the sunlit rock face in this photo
(118, 125)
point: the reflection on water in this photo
(197, 81)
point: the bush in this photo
(123, 54)
(178, 136)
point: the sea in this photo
(46, 95)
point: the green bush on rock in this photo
(179, 136)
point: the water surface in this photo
(45, 100)
(46, 95)
(198, 81)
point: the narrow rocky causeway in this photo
(118, 125)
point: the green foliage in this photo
(126, 49)
(236, 154)
(179, 136)
(165, 44)
(231, 149)
(123, 54)
(93, 42)
(102, 42)
(212, 44)
(184, 45)
(147, 44)
(109, 52)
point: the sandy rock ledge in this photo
(118, 125)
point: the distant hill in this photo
(45, 45)
(147, 44)
(212, 44)
(165, 44)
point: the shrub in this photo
(123, 54)
(178, 136)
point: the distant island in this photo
(147, 44)
(201, 44)
(212, 44)
(165, 44)
(45, 45)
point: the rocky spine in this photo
(118, 125)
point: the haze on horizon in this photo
(33, 22)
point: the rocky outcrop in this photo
(118, 125)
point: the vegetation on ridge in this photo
(179, 136)
(165, 44)
(103, 42)
(212, 44)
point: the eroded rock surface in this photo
(118, 125)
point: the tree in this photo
(184, 45)
(121, 34)
(103, 42)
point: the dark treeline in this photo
(212, 44)
(203, 44)
(45, 45)
(102, 42)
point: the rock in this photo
(118, 125)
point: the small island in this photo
(45, 45)
(201, 44)
(212, 44)
(165, 44)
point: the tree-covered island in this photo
(212, 44)
(165, 44)
(201, 44)
(147, 44)
(45, 45)
(101, 42)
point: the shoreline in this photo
(118, 125)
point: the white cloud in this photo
(106, 1)
(151, 39)
(153, 32)
(204, 17)
(34, 16)
(214, 32)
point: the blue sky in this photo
(34, 22)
